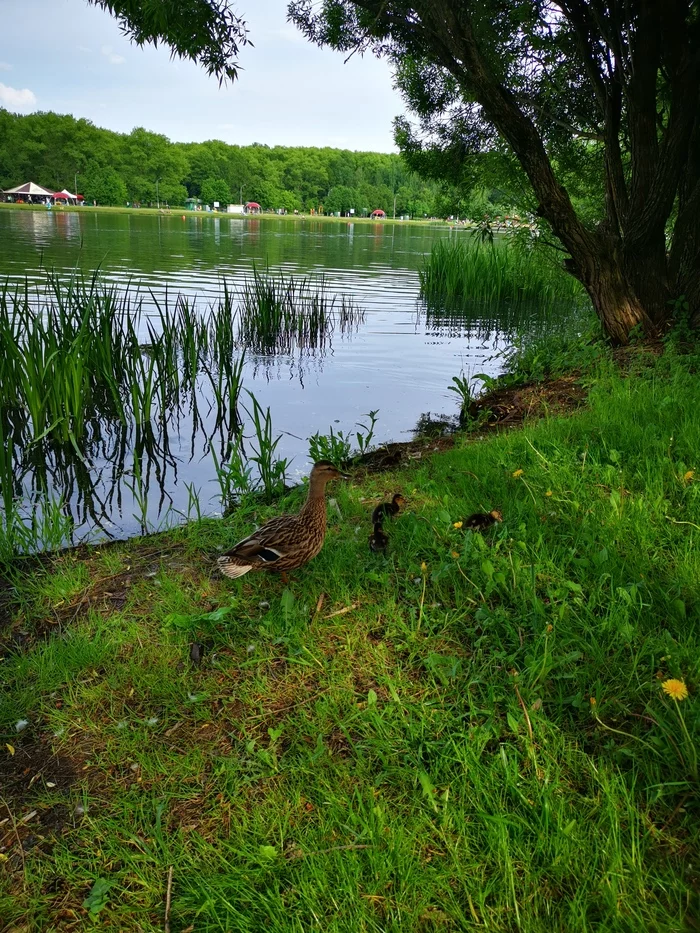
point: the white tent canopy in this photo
(30, 188)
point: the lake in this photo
(399, 359)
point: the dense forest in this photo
(116, 168)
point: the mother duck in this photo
(289, 541)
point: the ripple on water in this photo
(400, 360)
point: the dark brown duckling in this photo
(480, 521)
(388, 509)
(379, 539)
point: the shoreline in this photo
(183, 212)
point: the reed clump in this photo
(467, 270)
(91, 376)
(278, 314)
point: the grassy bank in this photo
(181, 211)
(468, 733)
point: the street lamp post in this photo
(76, 184)
(157, 194)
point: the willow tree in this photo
(617, 80)
(208, 32)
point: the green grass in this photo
(462, 269)
(431, 759)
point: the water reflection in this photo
(398, 356)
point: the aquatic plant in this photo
(470, 271)
(271, 469)
(90, 376)
(278, 314)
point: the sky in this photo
(66, 56)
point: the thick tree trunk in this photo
(615, 300)
(616, 304)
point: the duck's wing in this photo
(268, 543)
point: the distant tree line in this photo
(116, 168)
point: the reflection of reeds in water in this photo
(74, 354)
(279, 315)
(484, 291)
(89, 376)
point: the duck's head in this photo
(324, 471)
(399, 500)
(496, 515)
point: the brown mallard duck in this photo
(388, 509)
(479, 521)
(288, 541)
(379, 539)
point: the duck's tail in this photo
(231, 568)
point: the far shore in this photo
(183, 212)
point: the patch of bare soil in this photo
(34, 763)
(498, 410)
(27, 772)
(515, 405)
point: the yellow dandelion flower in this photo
(517, 473)
(458, 524)
(423, 567)
(676, 689)
(593, 701)
(548, 493)
(690, 475)
(455, 554)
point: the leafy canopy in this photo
(204, 31)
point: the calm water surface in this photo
(400, 360)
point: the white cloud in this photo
(111, 56)
(5, 66)
(14, 99)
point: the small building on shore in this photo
(252, 207)
(379, 214)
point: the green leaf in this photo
(371, 698)
(287, 600)
(197, 620)
(97, 898)
(678, 607)
(428, 789)
(513, 722)
(487, 568)
(267, 852)
(444, 516)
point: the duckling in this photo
(388, 509)
(480, 521)
(379, 539)
(288, 541)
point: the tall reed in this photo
(278, 314)
(493, 274)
